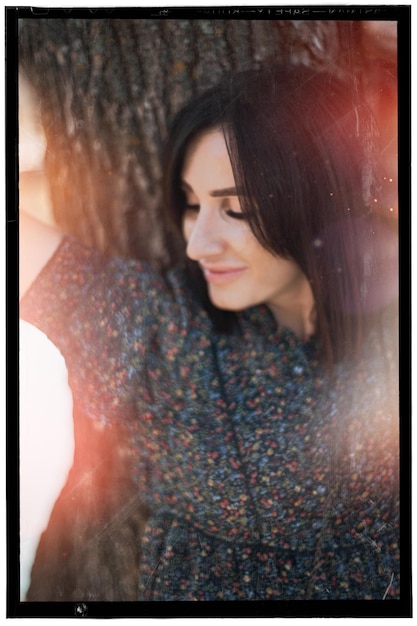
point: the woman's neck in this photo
(297, 313)
(301, 323)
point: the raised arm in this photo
(37, 244)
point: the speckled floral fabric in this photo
(266, 479)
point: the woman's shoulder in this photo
(75, 266)
(80, 279)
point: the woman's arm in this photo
(46, 435)
(37, 244)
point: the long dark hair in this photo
(303, 146)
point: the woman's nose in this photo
(203, 234)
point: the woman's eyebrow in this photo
(228, 191)
(216, 193)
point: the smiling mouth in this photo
(222, 275)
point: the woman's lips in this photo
(219, 275)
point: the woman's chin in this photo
(226, 303)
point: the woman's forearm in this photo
(37, 244)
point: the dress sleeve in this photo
(99, 312)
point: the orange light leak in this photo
(382, 95)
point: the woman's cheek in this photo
(244, 240)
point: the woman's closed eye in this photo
(231, 208)
(193, 207)
(237, 215)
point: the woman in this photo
(258, 381)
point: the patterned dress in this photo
(266, 478)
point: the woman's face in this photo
(239, 271)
